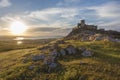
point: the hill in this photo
(19, 65)
(85, 54)
(85, 32)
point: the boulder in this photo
(62, 52)
(87, 53)
(49, 63)
(98, 37)
(85, 38)
(71, 49)
(38, 57)
(117, 40)
(52, 65)
(55, 53)
(91, 38)
(49, 59)
(108, 38)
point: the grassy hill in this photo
(103, 65)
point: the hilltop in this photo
(85, 32)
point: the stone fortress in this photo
(82, 25)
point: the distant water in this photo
(35, 38)
(19, 42)
(20, 39)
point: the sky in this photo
(58, 17)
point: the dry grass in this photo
(103, 65)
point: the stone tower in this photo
(82, 23)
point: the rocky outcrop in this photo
(38, 57)
(50, 60)
(85, 32)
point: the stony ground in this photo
(103, 65)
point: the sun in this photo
(18, 28)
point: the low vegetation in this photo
(103, 65)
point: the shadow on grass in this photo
(107, 58)
(72, 57)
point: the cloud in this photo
(48, 31)
(4, 3)
(68, 2)
(112, 25)
(109, 10)
(44, 14)
(53, 13)
(42, 29)
(7, 18)
(62, 31)
(52, 17)
(4, 32)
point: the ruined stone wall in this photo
(91, 27)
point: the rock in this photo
(108, 38)
(87, 53)
(98, 37)
(117, 40)
(48, 60)
(63, 52)
(55, 53)
(38, 57)
(91, 38)
(85, 38)
(71, 49)
(52, 65)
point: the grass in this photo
(6, 45)
(103, 65)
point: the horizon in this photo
(56, 17)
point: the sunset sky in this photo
(57, 17)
